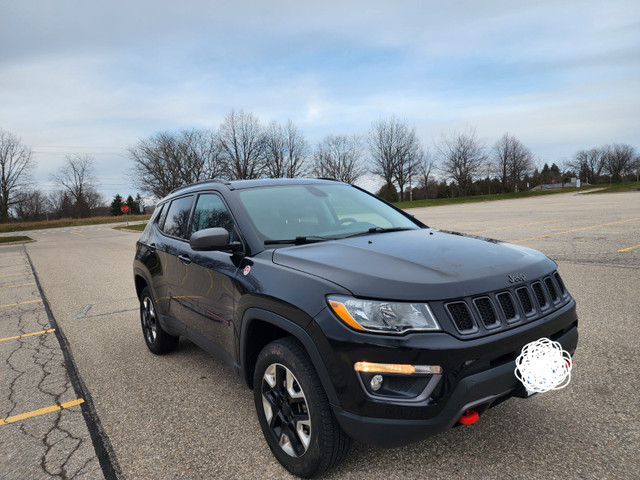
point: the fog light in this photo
(376, 382)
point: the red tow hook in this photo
(469, 417)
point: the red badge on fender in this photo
(246, 270)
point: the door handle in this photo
(152, 247)
(184, 259)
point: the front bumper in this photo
(478, 374)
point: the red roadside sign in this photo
(124, 208)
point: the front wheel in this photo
(294, 412)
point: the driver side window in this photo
(211, 212)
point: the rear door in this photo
(172, 250)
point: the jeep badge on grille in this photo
(517, 278)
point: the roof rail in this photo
(210, 180)
(328, 178)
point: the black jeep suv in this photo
(348, 318)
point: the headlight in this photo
(383, 316)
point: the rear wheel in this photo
(155, 337)
(294, 413)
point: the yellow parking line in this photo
(27, 335)
(629, 248)
(76, 233)
(21, 285)
(15, 274)
(576, 230)
(42, 411)
(516, 226)
(19, 303)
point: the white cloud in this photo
(95, 77)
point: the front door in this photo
(209, 310)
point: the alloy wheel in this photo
(286, 410)
(149, 321)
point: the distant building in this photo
(553, 186)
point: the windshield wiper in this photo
(299, 240)
(380, 230)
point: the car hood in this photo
(425, 264)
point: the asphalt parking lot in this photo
(186, 415)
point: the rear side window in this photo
(175, 224)
(211, 212)
(160, 214)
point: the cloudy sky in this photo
(94, 77)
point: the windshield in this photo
(317, 212)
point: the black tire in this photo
(302, 431)
(158, 341)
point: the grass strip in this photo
(65, 222)
(619, 188)
(16, 238)
(138, 227)
(433, 202)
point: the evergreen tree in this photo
(131, 203)
(388, 192)
(116, 204)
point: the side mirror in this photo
(211, 239)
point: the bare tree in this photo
(242, 142)
(425, 167)
(636, 166)
(15, 163)
(588, 164)
(60, 204)
(382, 139)
(339, 157)
(512, 161)
(201, 157)
(168, 160)
(463, 155)
(619, 160)
(408, 160)
(285, 151)
(157, 164)
(93, 199)
(31, 205)
(76, 177)
(395, 151)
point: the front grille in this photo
(551, 289)
(487, 312)
(508, 308)
(525, 301)
(461, 317)
(537, 289)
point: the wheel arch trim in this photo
(138, 272)
(258, 314)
